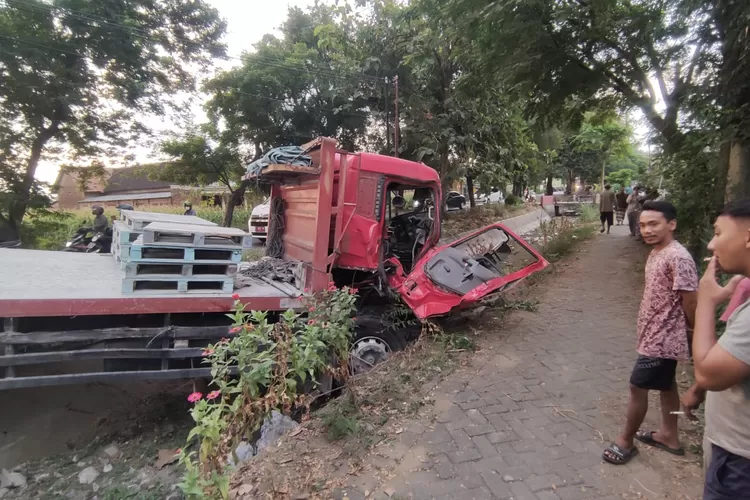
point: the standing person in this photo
(188, 208)
(621, 205)
(667, 308)
(632, 210)
(606, 207)
(722, 367)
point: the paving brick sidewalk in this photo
(529, 418)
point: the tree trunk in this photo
(549, 191)
(235, 199)
(604, 165)
(571, 180)
(18, 208)
(470, 188)
(738, 167)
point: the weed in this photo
(253, 254)
(563, 241)
(458, 342)
(341, 419)
(520, 305)
(119, 492)
(588, 213)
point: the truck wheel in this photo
(372, 344)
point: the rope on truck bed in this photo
(266, 269)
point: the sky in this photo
(247, 22)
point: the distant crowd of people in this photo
(677, 321)
(626, 203)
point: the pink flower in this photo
(353, 290)
(311, 322)
(224, 340)
(312, 308)
(178, 451)
(195, 397)
(213, 395)
(207, 352)
(236, 329)
(236, 296)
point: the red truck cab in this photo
(373, 221)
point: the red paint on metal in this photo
(426, 299)
(132, 305)
(398, 167)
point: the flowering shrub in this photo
(263, 367)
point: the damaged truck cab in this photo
(373, 222)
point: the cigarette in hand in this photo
(676, 412)
(707, 259)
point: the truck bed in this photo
(46, 283)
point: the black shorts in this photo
(653, 373)
(608, 217)
(727, 476)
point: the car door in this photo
(467, 271)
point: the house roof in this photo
(131, 179)
(127, 197)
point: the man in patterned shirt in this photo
(667, 308)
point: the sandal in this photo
(647, 437)
(621, 456)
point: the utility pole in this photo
(395, 120)
(387, 118)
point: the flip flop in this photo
(647, 437)
(622, 456)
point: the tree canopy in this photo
(78, 77)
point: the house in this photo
(129, 185)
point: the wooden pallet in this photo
(161, 270)
(160, 285)
(176, 235)
(139, 252)
(136, 220)
(121, 253)
(121, 233)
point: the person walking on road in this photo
(667, 308)
(722, 366)
(607, 207)
(621, 205)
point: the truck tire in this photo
(373, 343)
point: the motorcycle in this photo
(80, 240)
(86, 241)
(101, 242)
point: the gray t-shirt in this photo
(728, 411)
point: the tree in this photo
(81, 75)
(622, 177)
(200, 161)
(292, 89)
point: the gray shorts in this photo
(727, 474)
